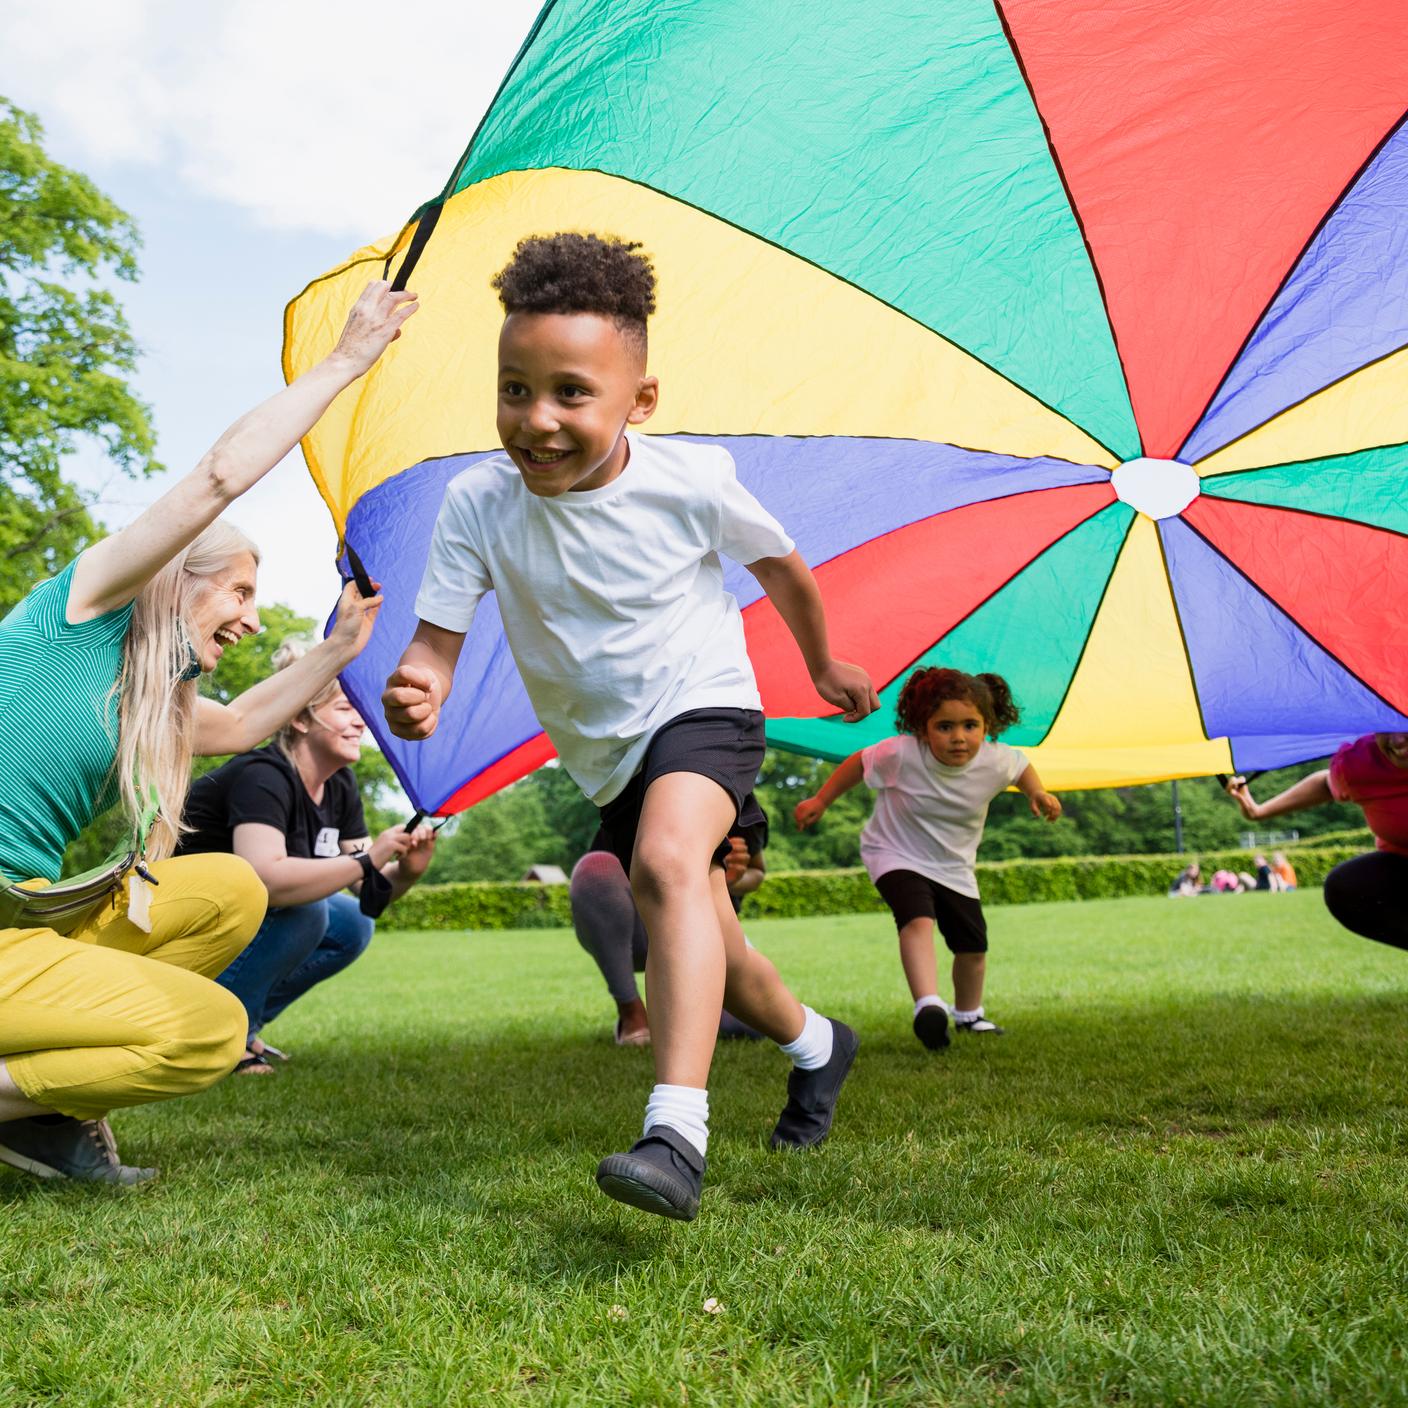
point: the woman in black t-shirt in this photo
(292, 810)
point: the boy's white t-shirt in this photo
(612, 599)
(929, 817)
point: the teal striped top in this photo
(58, 726)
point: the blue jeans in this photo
(294, 949)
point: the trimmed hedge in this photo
(800, 893)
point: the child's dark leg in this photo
(609, 928)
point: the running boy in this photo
(603, 548)
(934, 781)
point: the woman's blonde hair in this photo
(284, 656)
(156, 710)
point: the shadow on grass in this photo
(502, 1133)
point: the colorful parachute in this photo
(1068, 340)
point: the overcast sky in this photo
(257, 143)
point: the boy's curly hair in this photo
(926, 689)
(570, 273)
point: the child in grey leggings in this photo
(609, 926)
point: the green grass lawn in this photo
(1181, 1178)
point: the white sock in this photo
(932, 1000)
(812, 1049)
(685, 1108)
(972, 1016)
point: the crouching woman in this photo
(292, 810)
(115, 1006)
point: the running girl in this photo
(933, 783)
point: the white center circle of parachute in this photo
(1156, 488)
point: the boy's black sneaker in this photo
(663, 1174)
(931, 1027)
(83, 1150)
(811, 1095)
(979, 1026)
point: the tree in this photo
(64, 353)
(543, 819)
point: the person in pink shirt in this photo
(1369, 894)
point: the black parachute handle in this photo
(363, 580)
(1224, 778)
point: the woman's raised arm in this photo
(110, 573)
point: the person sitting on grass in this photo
(603, 548)
(608, 924)
(1285, 871)
(98, 705)
(933, 783)
(1188, 881)
(293, 811)
(1369, 894)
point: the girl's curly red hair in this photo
(926, 689)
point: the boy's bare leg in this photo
(753, 991)
(681, 823)
(695, 946)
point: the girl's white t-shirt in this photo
(929, 817)
(612, 599)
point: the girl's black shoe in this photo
(931, 1027)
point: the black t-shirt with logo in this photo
(264, 787)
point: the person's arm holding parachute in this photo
(1312, 791)
(114, 570)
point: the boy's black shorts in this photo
(725, 745)
(959, 917)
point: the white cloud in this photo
(338, 118)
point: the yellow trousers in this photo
(111, 1015)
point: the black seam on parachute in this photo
(523, 48)
(801, 259)
(447, 190)
(1099, 606)
(1007, 582)
(1075, 215)
(900, 439)
(1281, 610)
(425, 227)
(1183, 638)
(840, 279)
(1286, 410)
(1314, 459)
(1312, 513)
(1280, 288)
(426, 216)
(764, 435)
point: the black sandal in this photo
(254, 1064)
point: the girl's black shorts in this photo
(959, 917)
